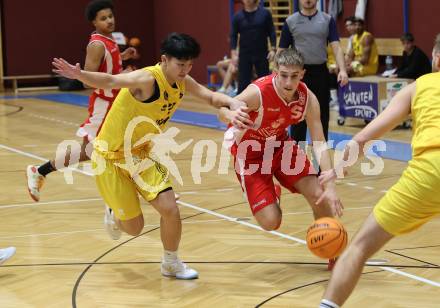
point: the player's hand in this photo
(329, 195)
(342, 78)
(236, 104)
(271, 55)
(129, 53)
(240, 118)
(234, 60)
(65, 69)
(327, 177)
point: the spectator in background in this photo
(254, 24)
(309, 31)
(228, 72)
(415, 62)
(363, 58)
(351, 29)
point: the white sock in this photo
(169, 256)
(334, 95)
(328, 304)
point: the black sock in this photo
(46, 169)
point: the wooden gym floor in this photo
(65, 258)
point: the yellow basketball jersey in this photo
(425, 109)
(130, 118)
(373, 62)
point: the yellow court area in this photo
(66, 259)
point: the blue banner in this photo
(358, 100)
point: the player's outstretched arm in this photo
(322, 154)
(215, 99)
(239, 118)
(132, 80)
(313, 119)
(396, 112)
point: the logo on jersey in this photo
(273, 109)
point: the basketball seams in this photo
(327, 238)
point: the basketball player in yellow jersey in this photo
(414, 199)
(363, 58)
(151, 94)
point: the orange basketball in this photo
(134, 42)
(326, 238)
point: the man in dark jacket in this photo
(415, 62)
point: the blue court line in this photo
(394, 150)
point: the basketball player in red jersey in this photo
(262, 148)
(102, 56)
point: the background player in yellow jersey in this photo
(362, 57)
(147, 101)
(414, 199)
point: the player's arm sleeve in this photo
(286, 38)
(332, 31)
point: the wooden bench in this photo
(15, 80)
(385, 46)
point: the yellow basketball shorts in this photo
(120, 190)
(414, 199)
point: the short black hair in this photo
(95, 6)
(359, 21)
(407, 37)
(180, 46)
(350, 19)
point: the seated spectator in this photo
(363, 58)
(351, 29)
(415, 62)
(228, 72)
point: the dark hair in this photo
(407, 37)
(359, 20)
(180, 46)
(95, 6)
(350, 19)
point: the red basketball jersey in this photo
(111, 63)
(273, 117)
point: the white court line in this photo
(421, 279)
(224, 189)
(47, 203)
(2, 146)
(231, 219)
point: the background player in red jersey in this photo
(262, 148)
(102, 56)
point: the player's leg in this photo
(222, 67)
(311, 190)
(370, 238)
(410, 203)
(294, 171)
(261, 194)
(170, 223)
(72, 155)
(162, 198)
(98, 109)
(228, 78)
(123, 212)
